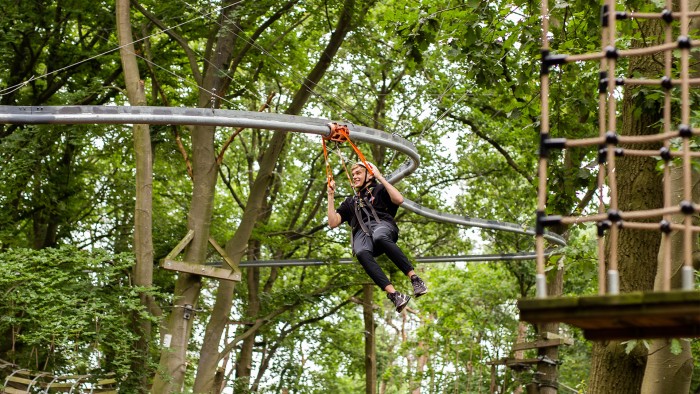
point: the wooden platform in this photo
(232, 272)
(636, 315)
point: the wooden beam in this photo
(201, 269)
(231, 264)
(542, 343)
(639, 315)
(10, 390)
(17, 379)
(169, 262)
(181, 245)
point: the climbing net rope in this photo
(611, 145)
(26, 381)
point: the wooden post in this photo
(370, 343)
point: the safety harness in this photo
(362, 204)
(341, 133)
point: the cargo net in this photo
(20, 381)
(676, 214)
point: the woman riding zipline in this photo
(370, 212)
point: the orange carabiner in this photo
(341, 133)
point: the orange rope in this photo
(342, 161)
(329, 174)
(341, 133)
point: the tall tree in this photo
(237, 245)
(44, 63)
(639, 184)
(669, 367)
(143, 238)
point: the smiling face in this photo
(359, 176)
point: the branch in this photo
(227, 182)
(263, 320)
(266, 360)
(228, 142)
(191, 55)
(585, 200)
(258, 32)
(476, 130)
(183, 152)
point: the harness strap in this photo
(374, 211)
(358, 216)
(329, 172)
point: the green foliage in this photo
(69, 311)
(60, 181)
(459, 80)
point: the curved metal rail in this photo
(80, 114)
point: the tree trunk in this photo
(547, 373)
(668, 373)
(519, 354)
(143, 240)
(639, 186)
(244, 364)
(370, 341)
(235, 248)
(173, 361)
(421, 362)
(237, 245)
(613, 370)
(171, 372)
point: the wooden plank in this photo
(11, 390)
(201, 269)
(551, 335)
(222, 252)
(60, 385)
(642, 332)
(623, 316)
(17, 379)
(169, 262)
(525, 361)
(25, 372)
(497, 362)
(77, 377)
(542, 343)
(181, 245)
(106, 381)
(515, 363)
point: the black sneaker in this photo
(400, 300)
(419, 287)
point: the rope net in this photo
(27, 381)
(609, 219)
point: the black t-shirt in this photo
(376, 195)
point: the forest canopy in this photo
(91, 210)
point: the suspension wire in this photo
(188, 81)
(341, 105)
(466, 92)
(21, 84)
(342, 161)
(204, 14)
